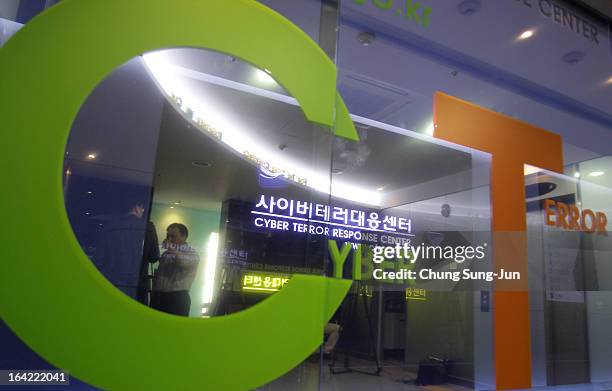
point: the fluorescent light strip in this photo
(210, 268)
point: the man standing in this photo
(150, 254)
(175, 274)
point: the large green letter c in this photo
(50, 293)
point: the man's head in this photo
(177, 233)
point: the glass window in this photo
(569, 250)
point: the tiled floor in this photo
(392, 378)
(607, 386)
(384, 382)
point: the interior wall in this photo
(442, 327)
(535, 249)
(599, 323)
(599, 303)
(569, 279)
(454, 324)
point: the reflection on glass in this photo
(225, 173)
(431, 196)
(207, 196)
(569, 253)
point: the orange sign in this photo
(572, 218)
(512, 144)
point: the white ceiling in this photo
(392, 161)
(231, 176)
(490, 36)
(475, 57)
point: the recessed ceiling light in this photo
(469, 7)
(87, 213)
(90, 192)
(526, 34)
(609, 81)
(573, 57)
(380, 188)
(177, 202)
(91, 156)
(171, 207)
(597, 173)
(337, 171)
(201, 164)
(576, 175)
(366, 38)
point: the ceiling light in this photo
(596, 173)
(576, 175)
(526, 34)
(263, 77)
(210, 268)
(366, 38)
(609, 81)
(171, 207)
(91, 156)
(380, 188)
(469, 7)
(337, 171)
(90, 192)
(87, 213)
(573, 57)
(177, 203)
